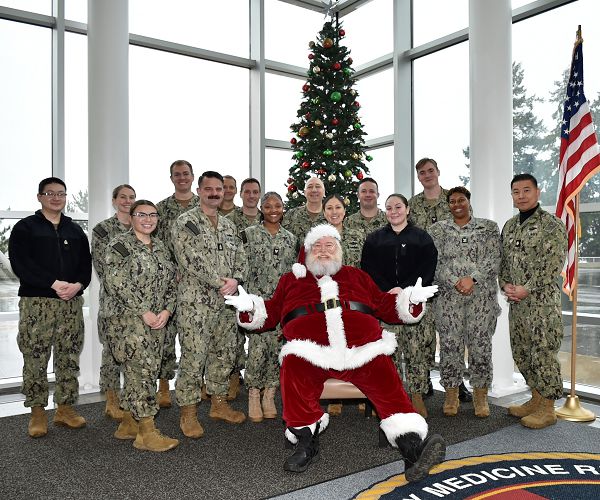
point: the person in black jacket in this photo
(395, 256)
(50, 255)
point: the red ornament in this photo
(356, 104)
(321, 171)
(342, 32)
(306, 87)
(311, 56)
(307, 115)
(350, 60)
(290, 180)
(335, 121)
(359, 176)
(337, 66)
(305, 164)
(293, 140)
(291, 188)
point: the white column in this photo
(257, 91)
(108, 122)
(403, 136)
(491, 108)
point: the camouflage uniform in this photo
(169, 210)
(424, 214)
(466, 320)
(103, 232)
(138, 279)
(41, 253)
(298, 222)
(533, 254)
(241, 222)
(207, 328)
(352, 244)
(268, 258)
(227, 212)
(358, 222)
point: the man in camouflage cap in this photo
(534, 247)
(50, 254)
(212, 262)
(182, 177)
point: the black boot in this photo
(463, 393)
(429, 392)
(420, 456)
(307, 449)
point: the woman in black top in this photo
(395, 256)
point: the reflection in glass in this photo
(184, 108)
(441, 112)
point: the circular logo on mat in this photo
(522, 476)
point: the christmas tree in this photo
(329, 142)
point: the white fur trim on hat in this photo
(318, 232)
(299, 270)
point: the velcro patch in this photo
(100, 232)
(192, 228)
(119, 247)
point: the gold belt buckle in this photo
(330, 304)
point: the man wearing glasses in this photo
(50, 255)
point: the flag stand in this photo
(572, 409)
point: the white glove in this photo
(242, 302)
(421, 293)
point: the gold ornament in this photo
(318, 122)
(355, 156)
(346, 201)
(328, 43)
(304, 131)
(329, 135)
(331, 178)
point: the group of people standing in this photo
(165, 269)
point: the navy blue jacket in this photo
(40, 254)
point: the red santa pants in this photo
(302, 385)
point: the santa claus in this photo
(330, 316)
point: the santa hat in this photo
(318, 232)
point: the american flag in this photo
(579, 157)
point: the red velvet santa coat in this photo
(338, 339)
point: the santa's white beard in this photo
(318, 268)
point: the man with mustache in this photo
(330, 316)
(212, 262)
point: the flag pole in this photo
(572, 409)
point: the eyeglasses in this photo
(52, 194)
(144, 215)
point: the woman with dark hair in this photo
(395, 256)
(123, 197)
(467, 308)
(271, 250)
(140, 285)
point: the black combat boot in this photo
(307, 449)
(420, 456)
(429, 392)
(463, 393)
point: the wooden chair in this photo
(335, 389)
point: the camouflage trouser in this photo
(168, 365)
(262, 368)
(466, 321)
(110, 370)
(139, 350)
(536, 333)
(417, 344)
(240, 355)
(209, 340)
(47, 325)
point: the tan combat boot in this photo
(149, 437)
(66, 416)
(188, 422)
(542, 417)
(163, 396)
(128, 428)
(112, 408)
(220, 410)
(255, 413)
(419, 404)
(526, 408)
(334, 409)
(38, 422)
(451, 403)
(268, 403)
(480, 402)
(234, 386)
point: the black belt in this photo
(349, 305)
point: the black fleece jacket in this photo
(40, 254)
